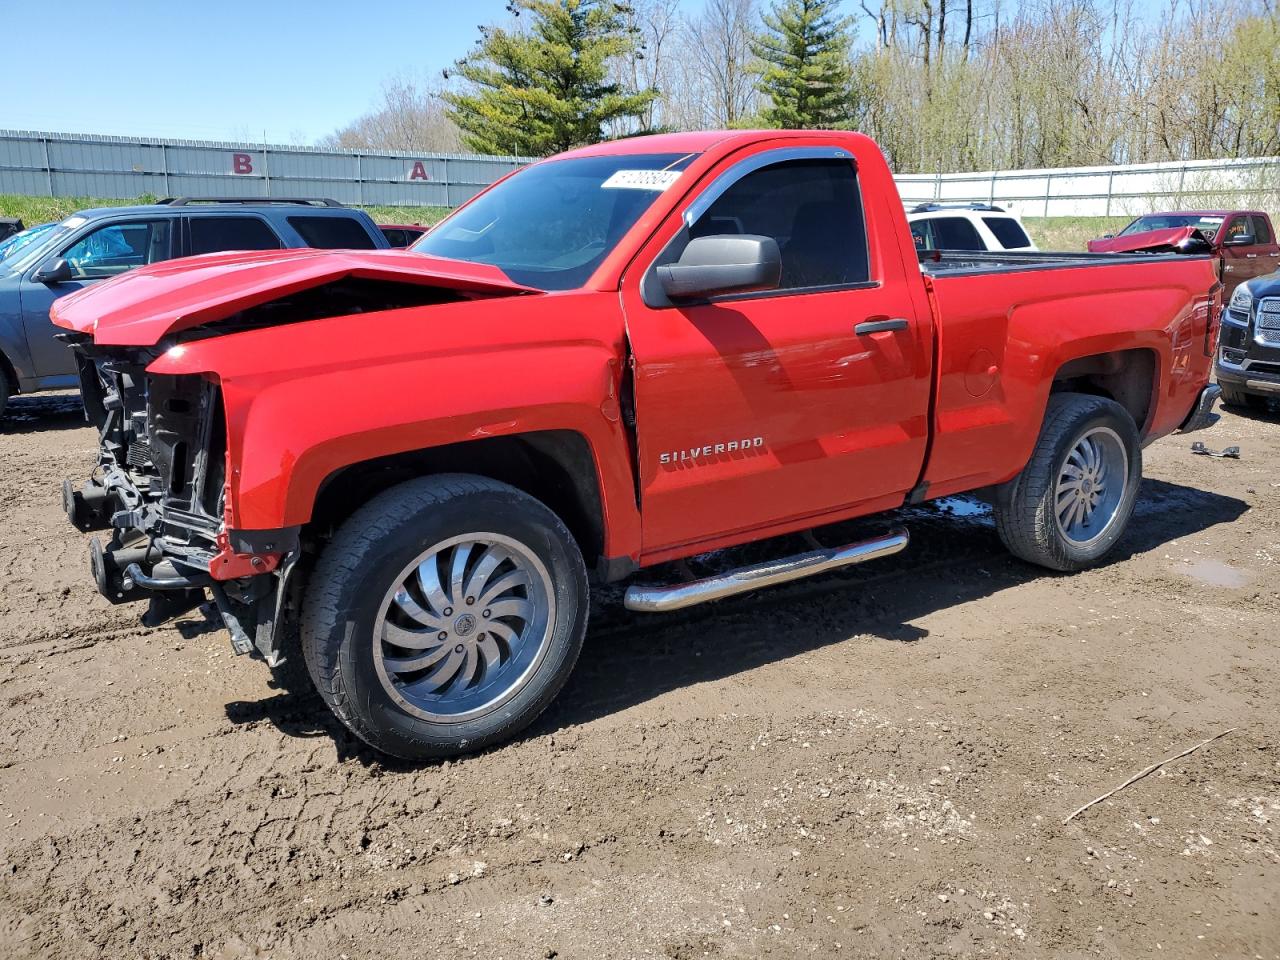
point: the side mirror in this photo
(1108, 236)
(731, 263)
(1240, 240)
(52, 271)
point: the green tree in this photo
(547, 87)
(805, 71)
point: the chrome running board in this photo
(767, 574)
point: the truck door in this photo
(1268, 259)
(103, 252)
(759, 410)
(1243, 257)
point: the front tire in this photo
(1073, 499)
(444, 616)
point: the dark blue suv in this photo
(51, 260)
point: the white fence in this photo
(1106, 191)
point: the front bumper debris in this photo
(1202, 414)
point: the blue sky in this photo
(224, 70)
(289, 72)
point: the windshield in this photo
(1208, 225)
(10, 246)
(34, 242)
(550, 225)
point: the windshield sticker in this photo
(72, 222)
(656, 180)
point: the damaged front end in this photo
(162, 484)
(160, 487)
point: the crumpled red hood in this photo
(141, 307)
(1147, 240)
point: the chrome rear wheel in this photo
(1072, 500)
(1091, 486)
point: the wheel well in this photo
(556, 466)
(1126, 376)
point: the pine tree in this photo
(805, 70)
(547, 87)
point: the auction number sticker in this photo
(657, 180)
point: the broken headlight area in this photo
(159, 488)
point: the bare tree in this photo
(655, 25)
(411, 117)
(712, 82)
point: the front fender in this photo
(306, 400)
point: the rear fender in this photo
(996, 370)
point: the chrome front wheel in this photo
(463, 627)
(444, 615)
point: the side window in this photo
(1262, 230)
(920, 234)
(333, 233)
(1235, 228)
(956, 233)
(1007, 231)
(812, 208)
(214, 234)
(118, 247)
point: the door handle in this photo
(1251, 256)
(879, 325)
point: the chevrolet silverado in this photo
(409, 465)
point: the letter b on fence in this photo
(241, 163)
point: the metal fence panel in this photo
(74, 165)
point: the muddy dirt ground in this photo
(876, 764)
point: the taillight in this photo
(1212, 310)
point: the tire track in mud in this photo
(353, 834)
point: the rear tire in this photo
(6, 389)
(444, 616)
(1073, 499)
(1235, 397)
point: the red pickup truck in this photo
(1243, 240)
(415, 462)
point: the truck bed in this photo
(968, 262)
(1005, 330)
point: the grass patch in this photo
(35, 210)
(425, 216)
(1070, 233)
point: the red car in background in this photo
(1244, 240)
